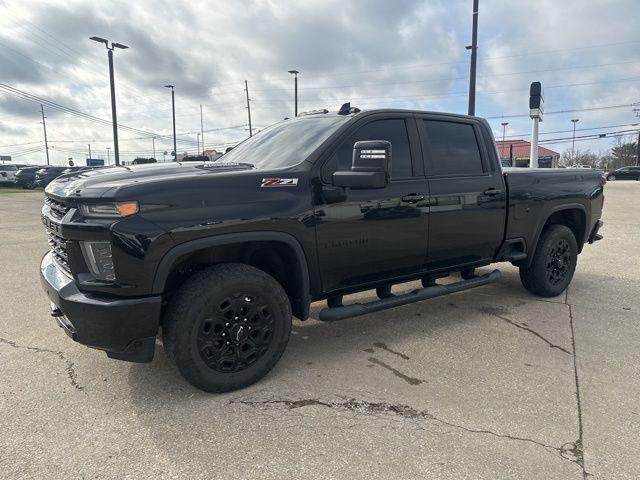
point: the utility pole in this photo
(638, 151)
(173, 109)
(153, 141)
(198, 141)
(44, 125)
(504, 131)
(108, 156)
(202, 129)
(114, 117)
(89, 149)
(573, 141)
(246, 89)
(474, 56)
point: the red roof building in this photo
(517, 153)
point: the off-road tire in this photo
(195, 317)
(553, 263)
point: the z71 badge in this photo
(279, 182)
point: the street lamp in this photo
(198, 140)
(173, 108)
(295, 83)
(153, 141)
(114, 118)
(573, 141)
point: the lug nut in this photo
(224, 334)
(226, 324)
(228, 343)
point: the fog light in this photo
(99, 259)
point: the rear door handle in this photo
(492, 191)
(413, 198)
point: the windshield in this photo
(286, 143)
(8, 168)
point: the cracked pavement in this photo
(489, 383)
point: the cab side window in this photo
(392, 130)
(454, 148)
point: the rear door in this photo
(375, 234)
(467, 193)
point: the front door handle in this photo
(413, 198)
(492, 191)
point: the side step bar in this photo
(348, 311)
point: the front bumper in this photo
(125, 328)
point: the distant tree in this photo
(624, 152)
(580, 157)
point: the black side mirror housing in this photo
(370, 166)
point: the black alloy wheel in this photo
(558, 262)
(236, 334)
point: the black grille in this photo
(58, 209)
(58, 249)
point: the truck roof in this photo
(385, 110)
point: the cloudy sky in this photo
(374, 53)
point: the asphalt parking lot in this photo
(490, 383)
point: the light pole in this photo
(573, 141)
(504, 131)
(108, 157)
(173, 108)
(295, 88)
(153, 140)
(198, 140)
(114, 117)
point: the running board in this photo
(356, 309)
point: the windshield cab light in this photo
(109, 210)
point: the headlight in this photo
(109, 210)
(99, 259)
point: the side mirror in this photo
(370, 166)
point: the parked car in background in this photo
(625, 173)
(45, 175)
(26, 176)
(8, 174)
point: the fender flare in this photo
(551, 211)
(301, 309)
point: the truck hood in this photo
(101, 182)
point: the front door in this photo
(467, 194)
(375, 234)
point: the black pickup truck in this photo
(220, 255)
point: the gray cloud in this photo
(378, 53)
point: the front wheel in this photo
(227, 326)
(553, 264)
(611, 178)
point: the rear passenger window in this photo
(392, 130)
(454, 148)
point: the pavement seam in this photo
(70, 366)
(579, 443)
(552, 345)
(566, 451)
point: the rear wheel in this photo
(611, 177)
(553, 264)
(227, 326)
